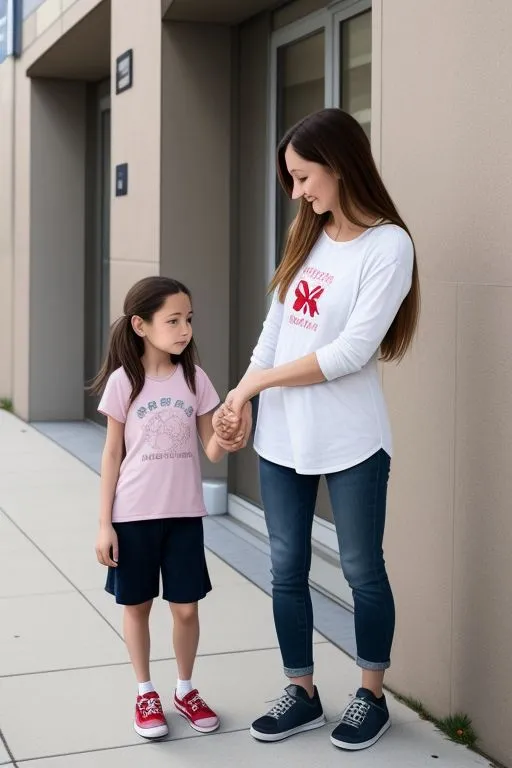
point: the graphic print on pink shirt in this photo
(167, 431)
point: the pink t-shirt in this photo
(160, 475)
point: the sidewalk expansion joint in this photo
(61, 572)
(7, 749)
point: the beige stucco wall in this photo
(6, 223)
(136, 131)
(447, 158)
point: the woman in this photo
(345, 292)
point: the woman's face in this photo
(314, 182)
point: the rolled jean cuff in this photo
(299, 671)
(377, 666)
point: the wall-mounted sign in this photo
(124, 71)
(121, 179)
(10, 28)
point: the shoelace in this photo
(150, 707)
(283, 705)
(198, 703)
(355, 713)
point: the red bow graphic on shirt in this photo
(306, 300)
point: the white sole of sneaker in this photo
(364, 744)
(318, 723)
(198, 728)
(151, 733)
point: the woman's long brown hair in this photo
(126, 348)
(334, 139)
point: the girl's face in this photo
(314, 182)
(170, 329)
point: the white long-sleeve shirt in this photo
(340, 306)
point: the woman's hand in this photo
(107, 541)
(240, 396)
(232, 432)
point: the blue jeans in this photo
(358, 500)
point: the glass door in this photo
(353, 73)
(300, 91)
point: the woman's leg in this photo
(289, 504)
(358, 498)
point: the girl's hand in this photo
(107, 541)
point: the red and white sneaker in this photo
(149, 717)
(199, 715)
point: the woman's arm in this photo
(262, 358)
(264, 352)
(110, 465)
(380, 297)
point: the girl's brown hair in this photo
(336, 140)
(126, 348)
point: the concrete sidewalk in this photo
(66, 687)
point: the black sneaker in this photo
(364, 721)
(293, 713)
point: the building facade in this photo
(180, 106)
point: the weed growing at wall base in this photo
(457, 727)
(6, 404)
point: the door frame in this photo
(98, 104)
(104, 105)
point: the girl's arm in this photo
(110, 465)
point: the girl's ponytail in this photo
(125, 349)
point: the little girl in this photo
(157, 402)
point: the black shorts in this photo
(173, 547)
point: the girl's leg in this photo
(187, 700)
(185, 637)
(149, 717)
(135, 583)
(136, 635)
(186, 581)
